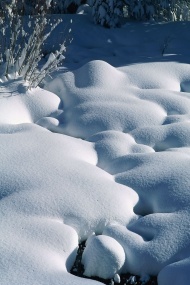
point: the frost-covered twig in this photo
(22, 54)
(165, 45)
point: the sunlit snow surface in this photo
(107, 150)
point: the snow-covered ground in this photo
(103, 148)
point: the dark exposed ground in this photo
(126, 279)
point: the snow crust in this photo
(105, 149)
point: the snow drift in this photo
(103, 149)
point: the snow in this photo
(17, 105)
(103, 257)
(84, 9)
(117, 278)
(103, 148)
(132, 280)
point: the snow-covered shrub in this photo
(84, 9)
(21, 44)
(107, 12)
(66, 6)
(169, 10)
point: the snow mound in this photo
(102, 257)
(104, 104)
(112, 145)
(175, 135)
(18, 105)
(150, 244)
(51, 197)
(35, 248)
(97, 73)
(176, 273)
(161, 237)
(163, 177)
(158, 75)
(139, 125)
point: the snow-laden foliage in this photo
(51, 6)
(21, 44)
(107, 12)
(172, 10)
(65, 6)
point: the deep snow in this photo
(103, 148)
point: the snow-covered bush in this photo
(169, 10)
(21, 41)
(66, 6)
(107, 12)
